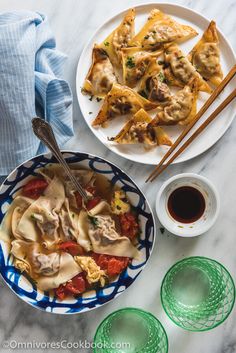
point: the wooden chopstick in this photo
(224, 104)
(203, 109)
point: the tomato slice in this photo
(114, 265)
(101, 260)
(91, 189)
(129, 225)
(72, 248)
(80, 282)
(60, 292)
(34, 188)
(93, 202)
(75, 286)
(78, 199)
(71, 289)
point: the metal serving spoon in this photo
(44, 132)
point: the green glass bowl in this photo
(130, 330)
(198, 293)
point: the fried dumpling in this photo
(205, 56)
(135, 62)
(180, 70)
(121, 100)
(153, 85)
(183, 106)
(101, 74)
(139, 130)
(161, 28)
(120, 38)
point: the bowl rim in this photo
(203, 180)
(135, 310)
(46, 154)
(205, 258)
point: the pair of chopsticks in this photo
(161, 166)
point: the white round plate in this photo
(137, 153)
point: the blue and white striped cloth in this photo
(30, 71)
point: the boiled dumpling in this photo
(182, 108)
(140, 130)
(68, 268)
(161, 28)
(38, 263)
(121, 100)
(101, 74)
(22, 250)
(106, 240)
(41, 217)
(205, 56)
(180, 70)
(120, 38)
(12, 218)
(69, 222)
(46, 264)
(135, 63)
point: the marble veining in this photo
(73, 22)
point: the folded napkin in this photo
(30, 71)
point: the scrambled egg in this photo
(94, 273)
(22, 266)
(119, 204)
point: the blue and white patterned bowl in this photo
(22, 285)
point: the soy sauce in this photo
(186, 204)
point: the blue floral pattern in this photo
(23, 285)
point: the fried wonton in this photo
(135, 62)
(101, 76)
(120, 38)
(139, 130)
(205, 56)
(121, 100)
(180, 70)
(183, 106)
(153, 84)
(159, 29)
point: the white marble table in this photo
(73, 22)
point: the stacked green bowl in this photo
(198, 293)
(130, 330)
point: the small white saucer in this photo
(205, 222)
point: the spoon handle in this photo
(44, 132)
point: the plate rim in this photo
(78, 89)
